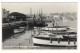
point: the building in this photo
(16, 16)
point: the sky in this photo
(46, 7)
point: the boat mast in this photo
(62, 19)
(31, 12)
(56, 27)
(41, 14)
(41, 11)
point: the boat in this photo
(70, 35)
(47, 38)
(19, 30)
(54, 36)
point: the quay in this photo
(8, 28)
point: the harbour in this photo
(25, 39)
(39, 28)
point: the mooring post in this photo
(58, 40)
(50, 40)
(74, 42)
(68, 41)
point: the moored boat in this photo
(50, 39)
(19, 30)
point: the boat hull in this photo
(56, 39)
(36, 44)
(41, 42)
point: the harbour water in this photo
(24, 40)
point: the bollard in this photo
(58, 40)
(50, 40)
(74, 42)
(68, 41)
(19, 45)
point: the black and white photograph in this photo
(39, 25)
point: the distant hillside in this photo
(66, 16)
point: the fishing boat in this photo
(54, 36)
(47, 38)
(58, 36)
(70, 35)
